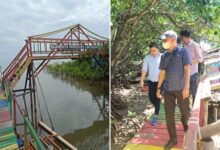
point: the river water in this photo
(78, 109)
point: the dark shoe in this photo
(185, 127)
(170, 144)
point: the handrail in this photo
(196, 119)
(33, 133)
(27, 124)
(193, 124)
(17, 61)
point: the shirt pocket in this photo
(178, 61)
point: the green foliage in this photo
(78, 68)
(136, 23)
(130, 113)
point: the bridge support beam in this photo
(30, 82)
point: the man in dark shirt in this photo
(175, 77)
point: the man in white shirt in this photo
(151, 70)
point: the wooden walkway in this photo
(155, 137)
(8, 139)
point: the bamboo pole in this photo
(56, 135)
(33, 134)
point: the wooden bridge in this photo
(155, 137)
(45, 47)
(71, 42)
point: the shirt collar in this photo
(191, 41)
(155, 56)
(176, 49)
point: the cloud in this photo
(23, 18)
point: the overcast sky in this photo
(22, 18)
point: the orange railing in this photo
(17, 62)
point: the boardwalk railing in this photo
(198, 116)
(27, 123)
(28, 126)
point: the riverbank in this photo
(132, 116)
(77, 68)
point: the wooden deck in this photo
(8, 139)
(155, 137)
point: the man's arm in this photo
(187, 75)
(162, 76)
(199, 57)
(187, 62)
(185, 91)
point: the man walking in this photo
(151, 67)
(196, 58)
(175, 76)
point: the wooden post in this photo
(25, 136)
(216, 114)
(31, 94)
(14, 112)
(204, 112)
(34, 96)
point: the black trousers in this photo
(153, 96)
(170, 104)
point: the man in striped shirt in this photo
(196, 58)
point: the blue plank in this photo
(3, 103)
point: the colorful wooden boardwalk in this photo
(155, 137)
(8, 140)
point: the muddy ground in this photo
(138, 109)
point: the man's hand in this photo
(158, 93)
(185, 93)
(194, 62)
(141, 84)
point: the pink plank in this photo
(153, 142)
(158, 136)
(5, 116)
(159, 131)
(5, 119)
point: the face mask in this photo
(166, 45)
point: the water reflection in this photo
(95, 136)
